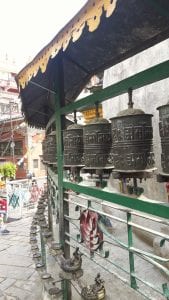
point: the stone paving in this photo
(20, 281)
(18, 277)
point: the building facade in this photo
(19, 143)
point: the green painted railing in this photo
(148, 76)
(77, 198)
(153, 210)
(160, 209)
(86, 198)
(94, 199)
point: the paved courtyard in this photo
(18, 277)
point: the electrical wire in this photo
(1, 129)
(2, 154)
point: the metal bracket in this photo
(165, 290)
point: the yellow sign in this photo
(2, 184)
(91, 113)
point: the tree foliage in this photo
(8, 170)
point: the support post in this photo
(43, 249)
(133, 283)
(50, 222)
(60, 124)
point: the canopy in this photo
(103, 33)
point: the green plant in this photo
(8, 170)
(0, 169)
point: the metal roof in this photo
(102, 34)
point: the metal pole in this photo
(12, 145)
(43, 249)
(60, 124)
(131, 255)
(50, 222)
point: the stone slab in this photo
(15, 272)
(28, 285)
(6, 283)
(2, 279)
(15, 260)
(21, 249)
(20, 294)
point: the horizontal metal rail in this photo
(113, 272)
(94, 260)
(124, 204)
(99, 212)
(128, 205)
(148, 76)
(164, 236)
(116, 207)
(154, 208)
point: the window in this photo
(14, 108)
(18, 149)
(35, 163)
(5, 108)
(6, 150)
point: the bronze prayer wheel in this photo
(164, 135)
(132, 140)
(73, 146)
(51, 147)
(44, 150)
(97, 143)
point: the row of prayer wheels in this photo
(125, 144)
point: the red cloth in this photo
(167, 187)
(3, 204)
(90, 232)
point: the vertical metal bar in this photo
(50, 223)
(66, 283)
(43, 249)
(133, 283)
(165, 290)
(59, 101)
(66, 287)
(66, 222)
(60, 169)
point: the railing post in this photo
(49, 206)
(59, 102)
(133, 283)
(43, 249)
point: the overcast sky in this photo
(26, 26)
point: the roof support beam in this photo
(159, 8)
(69, 58)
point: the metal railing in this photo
(132, 264)
(120, 252)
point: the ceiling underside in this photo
(134, 26)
